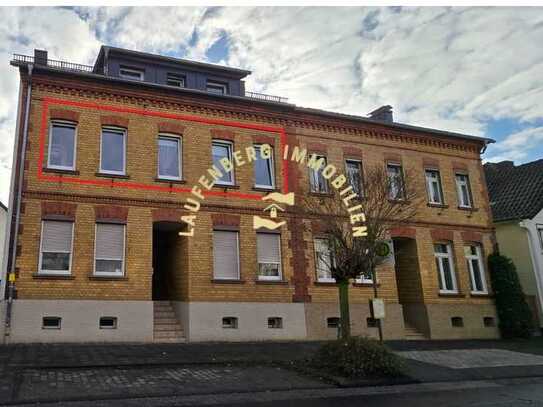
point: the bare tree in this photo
(387, 201)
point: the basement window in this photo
(275, 322)
(51, 322)
(489, 322)
(230, 323)
(332, 322)
(457, 322)
(108, 322)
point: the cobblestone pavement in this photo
(126, 382)
(474, 358)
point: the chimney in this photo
(382, 114)
(40, 57)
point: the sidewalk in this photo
(31, 373)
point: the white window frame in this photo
(56, 272)
(238, 277)
(123, 260)
(63, 123)
(359, 162)
(441, 273)
(318, 174)
(429, 188)
(401, 192)
(479, 258)
(230, 145)
(540, 234)
(459, 190)
(279, 277)
(179, 141)
(361, 279)
(118, 130)
(140, 72)
(215, 84)
(320, 279)
(271, 166)
(174, 77)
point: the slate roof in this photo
(516, 192)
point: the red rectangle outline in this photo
(47, 101)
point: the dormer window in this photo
(217, 88)
(131, 73)
(174, 79)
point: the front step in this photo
(411, 333)
(166, 327)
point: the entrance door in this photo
(167, 260)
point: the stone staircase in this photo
(412, 333)
(167, 328)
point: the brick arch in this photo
(167, 215)
(64, 114)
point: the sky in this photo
(476, 70)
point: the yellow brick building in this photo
(106, 158)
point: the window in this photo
(457, 322)
(332, 322)
(371, 322)
(56, 247)
(489, 322)
(62, 141)
(445, 267)
(264, 177)
(365, 278)
(323, 261)
(433, 187)
(225, 255)
(109, 249)
(395, 181)
(540, 233)
(131, 73)
(353, 168)
(317, 182)
(220, 150)
(174, 79)
(51, 322)
(112, 151)
(269, 256)
(463, 190)
(476, 269)
(275, 323)
(230, 323)
(217, 88)
(108, 323)
(169, 157)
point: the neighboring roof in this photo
(240, 73)
(516, 192)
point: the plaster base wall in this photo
(80, 321)
(316, 315)
(439, 320)
(205, 321)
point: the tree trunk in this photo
(345, 318)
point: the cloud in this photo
(450, 68)
(517, 146)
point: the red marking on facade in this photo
(134, 185)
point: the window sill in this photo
(325, 283)
(452, 295)
(470, 209)
(271, 282)
(224, 186)
(104, 175)
(170, 181)
(483, 295)
(398, 201)
(107, 278)
(262, 189)
(365, 284)
(225, 281)
(436, 205)
(44, 276)
(59, 171)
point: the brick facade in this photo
(106, 198)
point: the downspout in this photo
(11, 276)
(536, 265)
